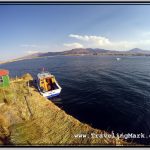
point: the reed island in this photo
(27, 118)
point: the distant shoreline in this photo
(125, 55)
(84, 52)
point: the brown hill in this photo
(91, 51)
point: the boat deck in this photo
(44, 75)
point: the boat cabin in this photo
(46, 81)
(4, 78)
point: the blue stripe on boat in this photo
(53, 95)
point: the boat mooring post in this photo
(28, 84)
(28, 88)
(5, 100)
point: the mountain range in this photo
(91, 51)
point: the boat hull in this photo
(47, 85)
(51, 94)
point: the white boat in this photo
(118, 58)
(47, 85)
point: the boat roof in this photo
(44, 75)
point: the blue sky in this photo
(27, 29)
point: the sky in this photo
(27, 29)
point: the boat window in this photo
(53, 80)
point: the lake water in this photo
(99, 90)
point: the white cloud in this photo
(106, 43)
(32, 52)
(92, 38)
(73, 45)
